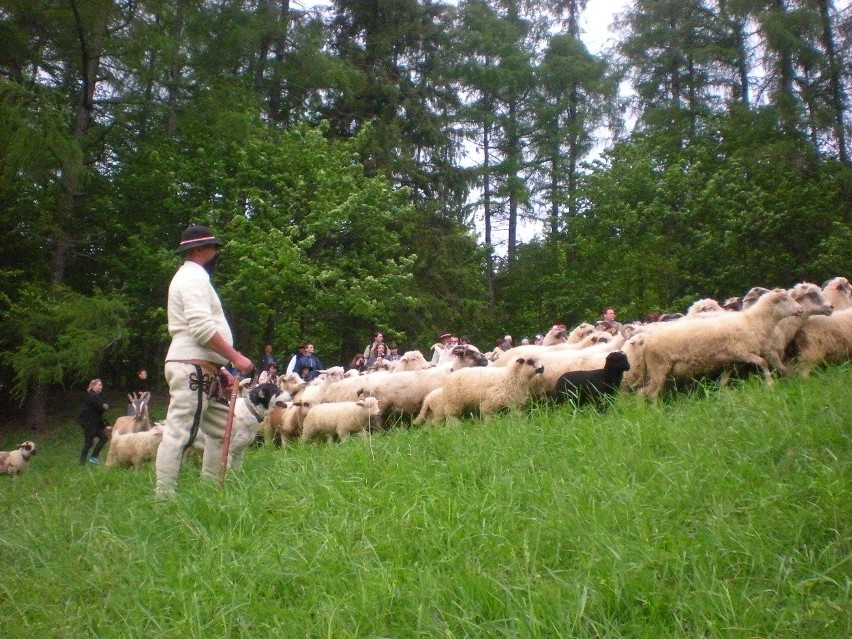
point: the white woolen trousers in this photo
(189, 410)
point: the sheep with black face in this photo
(592, 386)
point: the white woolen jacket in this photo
(195, 314)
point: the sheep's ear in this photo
(360, 402)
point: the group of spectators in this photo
(375, 352)
(308, 365)
(304, 362)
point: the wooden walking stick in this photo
(226, 440)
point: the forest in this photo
(370, 164)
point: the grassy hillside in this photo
(723, 513)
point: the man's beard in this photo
(210, 265)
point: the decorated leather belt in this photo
(211, 368)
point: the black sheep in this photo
(591, 386)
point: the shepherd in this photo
(202, 344)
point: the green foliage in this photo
(663, 228)
(222, 113)
(314, 244)
(57, 336)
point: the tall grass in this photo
(721, 513)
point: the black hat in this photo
(195, 236)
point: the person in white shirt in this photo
(270, 375)
(291, 365)
(443, 350)
(202, 343)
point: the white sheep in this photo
(134, 449)
(813, 302)
(581, 337)
(822, 338)
(706, 305)
(404, 392)
(580, 331)
(483, 390)
(16, 462)
(136, 423)
(838, 292)
(412, 361)
(291, 383)
(353, 386)
(381, 364)
(341, 418)
(694, 348)
(559, 360)
(557, 334)
(754, 294)
(315, 390)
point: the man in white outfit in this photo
(442, 352)
(201, 345)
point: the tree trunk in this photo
(838, 99)
(515, 154)
(486, 203)
(35, 417)
(90, 42)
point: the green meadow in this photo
(715, 513)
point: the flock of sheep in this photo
(785, 331)
(788, 331)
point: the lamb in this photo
(16, 462)
(689, 349)
(285, 423)
(838, 292)
(134, 449)
(591, 386)
(558, 361)
(483, 390)
(139, 421)
(340, 418)
(822, 338)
